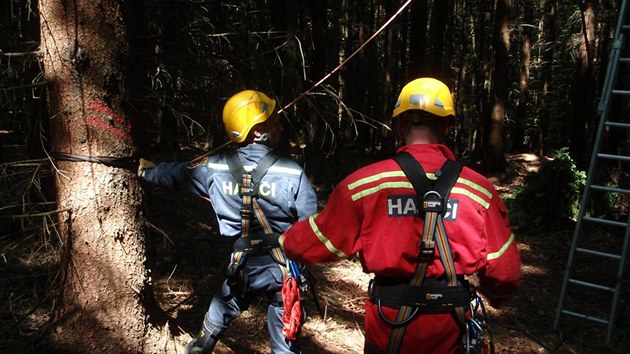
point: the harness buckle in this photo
(247, 191)
(427, 252)
(432, 202)
(247, 212)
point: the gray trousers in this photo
(264, 278)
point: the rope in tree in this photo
(390, 20)
(130, 162)
(401, 9)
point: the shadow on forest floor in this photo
(190, 261)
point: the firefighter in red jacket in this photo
(371, 214)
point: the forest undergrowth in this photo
(190, 259)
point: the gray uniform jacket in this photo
(285, 193)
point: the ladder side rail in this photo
(623, 12)
(603, 110)
(621, 20)
(621, 273)
(611, 73)
(572, 250)
(613, 59)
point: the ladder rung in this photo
(586, 317)
(614, 157)
(605, 221)
(598, 253)
(611, 189)
(624, 60)
(618, 124)
(592, 285)
(621, 92)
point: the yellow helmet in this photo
(244, 110)
(426, 94)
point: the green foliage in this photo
(550, 196)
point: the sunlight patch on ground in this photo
(527, 269)
(333, 336)
(348, 271)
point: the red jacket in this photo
(369, 214)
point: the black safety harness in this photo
(250, 243)
(420, 295)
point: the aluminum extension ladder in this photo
(575, 284)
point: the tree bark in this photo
(583, 94)
(106, 284)
(519, 128)
(495, 160)
(483, 74)
(548, 38)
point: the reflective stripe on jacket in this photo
(372, 213)
(285, 194)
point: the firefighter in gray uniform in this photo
(256, 196)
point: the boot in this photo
(202, 344)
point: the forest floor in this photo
(523, 325)
(190, 260)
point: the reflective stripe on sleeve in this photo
(481, 201)
(499, 253)
(323, 239)
(249, 168)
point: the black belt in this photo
(256, 244)
(433, 296)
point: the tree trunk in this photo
(483, 74)
(583, 99)
(495, 160)
(284, 19)
(548, 38)
(518, 130)
(105, 284)
(439, 17)
(418, 39)
(386, 84)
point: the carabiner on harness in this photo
(476, 337)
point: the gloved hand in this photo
(144, 164)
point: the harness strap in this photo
(249, 184)
(256, 244)
(434, 199)
(434, 296)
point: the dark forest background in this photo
(526, 77)
(540, 65)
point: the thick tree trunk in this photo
(583, 99)
(105, 280)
